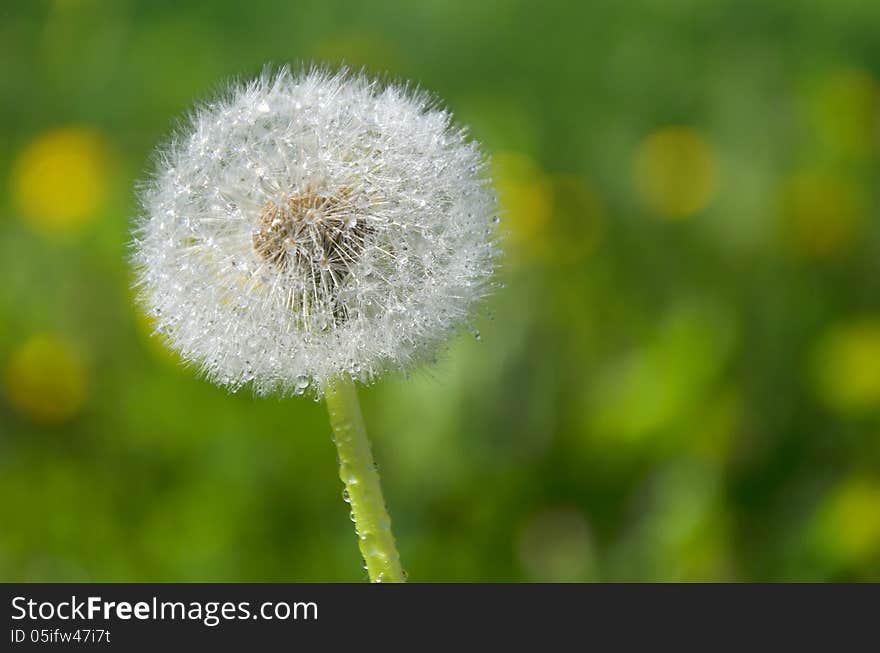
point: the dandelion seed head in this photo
(313, 225)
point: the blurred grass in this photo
(679, 381)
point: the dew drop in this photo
(346, 496)
(369, 545)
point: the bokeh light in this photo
(823, 213)
(558, 219)
(526, 198)
(846, 366)
(61, 179)
(675, 172)
(46, 380)
(849, 521)
(845, 112)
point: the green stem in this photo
(362, 488)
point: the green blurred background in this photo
(680, 381)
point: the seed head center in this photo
(311, 234)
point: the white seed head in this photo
(311, 225)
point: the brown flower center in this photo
(311, 233)
(317, 238)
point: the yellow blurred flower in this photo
(849, 520)
(845, 111)
(60, 180)
(526, 199)
(525, 195)
(846, 366)
(46, 380)
(559, 218)
(675, 172)
(822, 213)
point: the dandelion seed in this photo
(310, 230)
(313, 225)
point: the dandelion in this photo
(309, 230)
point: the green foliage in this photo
(680, 381)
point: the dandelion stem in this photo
(362, 487)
